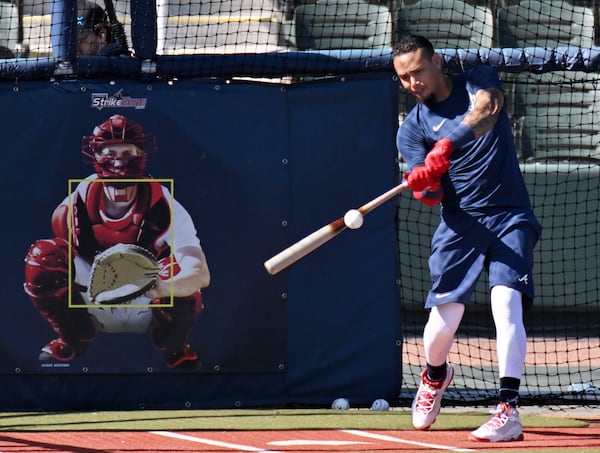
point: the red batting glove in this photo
(420, 178)
(437, 160)
(431, 196)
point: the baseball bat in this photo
(316, 239)
(117, 29)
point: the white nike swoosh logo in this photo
(439, 126)
(442, 295)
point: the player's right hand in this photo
(437, 160)
(420, 178)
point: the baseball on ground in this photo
(340, 404)
(380, 405)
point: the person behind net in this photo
(458, 144)
(95, 34)
(108, 208)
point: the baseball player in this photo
(458, 144)
(100, 214)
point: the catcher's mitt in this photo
(121, 273)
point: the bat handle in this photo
(368, 207)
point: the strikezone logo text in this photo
(117, 100)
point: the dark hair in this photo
(94, 19)
(412, 43)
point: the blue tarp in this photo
(258, 166)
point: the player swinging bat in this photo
(352, 219)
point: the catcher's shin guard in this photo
(47, 285)
(171, 327)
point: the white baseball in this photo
(380, 405)
(353, 219)
(340, 404)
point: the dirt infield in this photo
(288, 431)
(476, 351)
(536, 439)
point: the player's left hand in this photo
(122, 273)
(431, 196)
(437, 160)
(160, 290)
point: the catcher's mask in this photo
(100, 148)
(119, 149)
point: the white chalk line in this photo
(214, 443)
(403, 441)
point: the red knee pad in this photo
(47, 268)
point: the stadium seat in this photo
(553, 23)
(449, 25)
(219, 27)
(558, 114)
(342, 24)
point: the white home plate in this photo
(298, 442)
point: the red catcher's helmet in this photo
(117, 130)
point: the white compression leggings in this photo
(511, 340)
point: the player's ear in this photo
(436, 59)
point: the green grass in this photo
(245, 419)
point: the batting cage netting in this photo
(547, 55)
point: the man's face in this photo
(420, 76)
(119, 160)
(93, 42)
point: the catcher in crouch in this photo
(104, 214)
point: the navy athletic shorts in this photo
(464, 246)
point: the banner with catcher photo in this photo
(207, 180)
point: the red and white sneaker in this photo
(428, 400)
(503, 426)
(62, 351)
(186, 358)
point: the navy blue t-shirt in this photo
(484, 176)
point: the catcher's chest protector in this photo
(143, 224)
